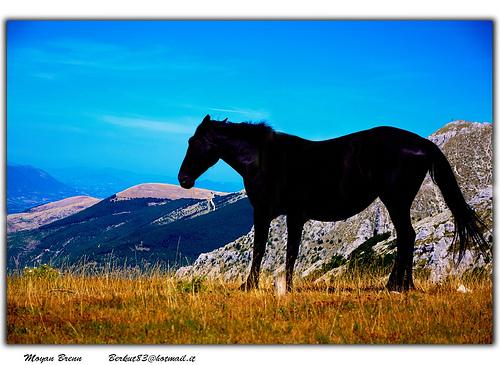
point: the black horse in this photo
(330, 180)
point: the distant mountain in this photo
(165, 191)
(104, 182)
(328, 247)
(143, 225)
(48, 213)
(28, 186)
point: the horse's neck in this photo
(241, 155)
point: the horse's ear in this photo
(224, 121)
(206, 119)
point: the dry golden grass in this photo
(156, 308)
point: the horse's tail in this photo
(468, 226)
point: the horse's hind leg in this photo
(398, 197)
(401, 277)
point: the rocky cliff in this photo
(328, 246)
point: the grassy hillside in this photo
(124, 230)
(126, 308)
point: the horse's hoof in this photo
(392, 287)
(247, 287)
(399, 288)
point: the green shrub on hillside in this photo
(335, 261)
(195, 285)
(365, 258)
(41, 272)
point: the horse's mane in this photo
(250, 130)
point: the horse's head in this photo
(202, 153)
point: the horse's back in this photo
(384, 154)
(376, 148)
(337, 178)
(384, 137)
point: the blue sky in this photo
(128, 94)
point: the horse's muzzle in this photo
(185, 181)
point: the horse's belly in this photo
(335, 209)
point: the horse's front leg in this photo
(294, 226)
(261, 230)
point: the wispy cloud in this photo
(44, 75)
(95, 55)
(81, 54)
(247, 113)
(184, 126)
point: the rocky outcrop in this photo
(200, 208)
(468, 147)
